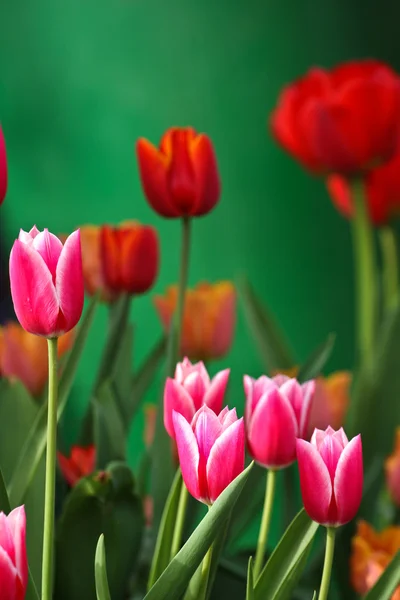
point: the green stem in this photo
(388, 244)
(180, 520)
(48, 533)
(205, 574)
(326, 574)
(183, 276)
(365, 272)
(265, 522)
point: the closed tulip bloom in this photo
(130, 257)
(80, 463)
(331, 476)
(211, 451)
(3, 167)
(180, 177)
(93, 273)
(277, 412)
(331, 401)
(13, 558)
(345, 120)
(190, 389)
(392, 471)
(47, 282)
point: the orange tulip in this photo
(331, 400)
(92, 263)
(129, 257)
(80, 463)
(180, 177)
(208, 318)
(23, 356)
(371, 554)
(392, 471)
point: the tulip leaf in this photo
(100, 570)
(35, 443)
(314, 596)
(250, 581)
(109, 429)
(271, 343)
(317, 360)
(176, 577)
(387, 583)
(285, 565)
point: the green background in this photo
(81, 81)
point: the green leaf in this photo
(109, 428)
(317, 360)
(100, 570)
(249, 505)
(387, 582)
(162, 550)
(287, 560)
(33, 449)
(175, 579)
(272, 346)
(314, 596)
(250, 581)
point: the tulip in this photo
(345, 121)
(13, 558)
(277, 412)
(129, 255)
(46, 282)
(208, 319)
(331, 476)
(190, 389)
(210, 450)
(3, 167)
(392, 471)
(23, 356)
(80, 463)
(331, 401)
(180, 177)
(93, 275)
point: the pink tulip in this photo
(3, 167)
(190, 389)
(13, 559)
(211, 451)
(331, 476)
(277, 412)
(47, 282)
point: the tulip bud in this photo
(92, 264)
(3, 167)
(392, 471)
(331, 476)
(46, 282)
(331, 401)
(180, 178)
(211, 451)
(80, 463)
(13, 558)
(190, 389)
(277, 412)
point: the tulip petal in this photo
(207, 427)
(315, 482)
(227, 417)
(6, 537)
(49, 247)
(204, 163)
(188, 452)
(195, 386)
(226, 460)
(214, 396)
(308, 390)
(330, 451)
(176, 398)
(348, 482)
(8, 577)
(69, 280)
(69, 469)
(17, 523)
(34, 297)
(224, 323)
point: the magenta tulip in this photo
(211, 451)
(13, 559)
(190, 389)
(277, 412)
(331, 476)
(47, 282)
(3, 167)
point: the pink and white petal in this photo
(280, 379)
(330, 451)
(17, 523)
(196, 388)
(69, 280)
(294, 393)
(176, 398)
(207, 428)
(214, 396)
(226, 460)
(34, 297)
(25, 236)
(315, 482)
(49, 247)
(348, 482)
(228, 418)
(201, 369)
(188, 453)
(308, 389)
(341, 437)
(6, 537)
(318, 437)
(223, 414)
(8, 577)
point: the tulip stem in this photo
(265, 522)
(48, 533)
(205, 574)
(183, 276)
(180, 520)
(388, 245)
(329, 552)
(365, 272)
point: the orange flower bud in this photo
(208, 318)
(392, 471)
(331, 400)
(23, 356)
(180, 177)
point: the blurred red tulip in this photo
(331, 401)
(392, 471)
(92, 263)
(80, 463)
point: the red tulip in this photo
(331, 476)
(47, 282)
(345, 121)
(277, 413)
(392, 471)
(3, 167)
(180, 178)
(13, 559)
(80, 463)
(211, 451)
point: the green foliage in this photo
(100, 570)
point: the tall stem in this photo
(205, 574)
(365, 272)
(388, 244)
(329, 552)
(183, 277)
(48, 533)
(265, 522)
(180, 520)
